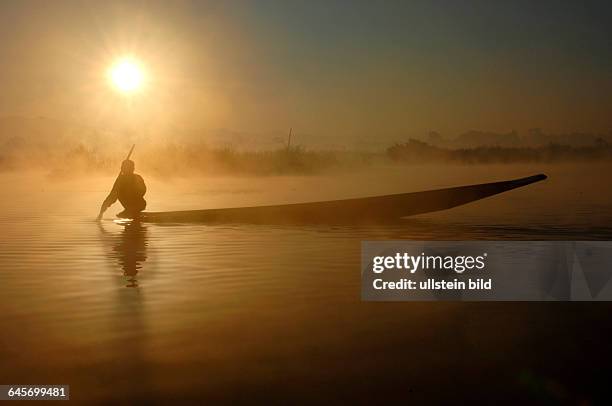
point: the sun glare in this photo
(126, 75)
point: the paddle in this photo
(130, 153)
(103, 209)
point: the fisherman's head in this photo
(127, 167)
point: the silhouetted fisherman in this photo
(129, 189)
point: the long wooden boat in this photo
(362, 210)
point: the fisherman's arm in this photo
(110, 199)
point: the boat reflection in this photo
(128, 249)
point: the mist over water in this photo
(196, 307)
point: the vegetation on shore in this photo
(173, 159)
(415, 151)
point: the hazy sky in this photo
(323, 67)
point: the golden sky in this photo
(328, 68)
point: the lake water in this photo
(237, 313)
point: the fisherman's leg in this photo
(125, 214)
(133, 209)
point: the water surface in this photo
(236, 312)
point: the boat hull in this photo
(362, 210)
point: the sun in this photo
(126, 75)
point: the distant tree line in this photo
(419, 151)
(179, 158)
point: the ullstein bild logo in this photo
(486, 270)
(412, 264)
